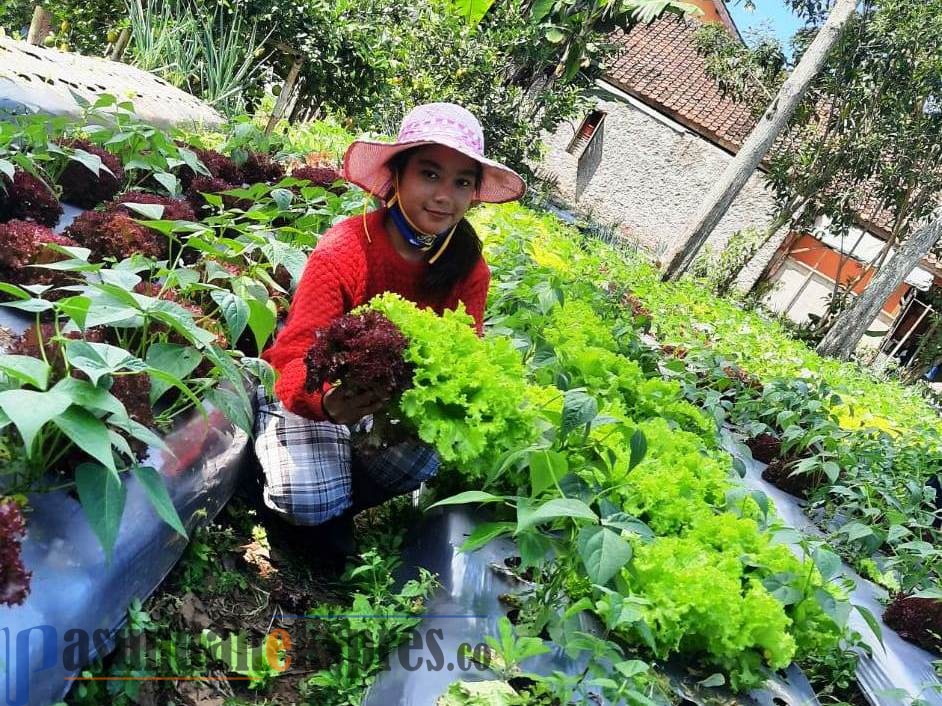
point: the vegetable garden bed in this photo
(611, 483)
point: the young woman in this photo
(418, 245)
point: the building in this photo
(660, 132)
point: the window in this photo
(589, 129)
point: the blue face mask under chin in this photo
(415, 238)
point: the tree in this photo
(769, 127)
(866, 143)
(904, 68)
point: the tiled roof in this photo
(659, 64)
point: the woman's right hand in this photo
(346, 406)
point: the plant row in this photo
(153, 302)
(611, 484)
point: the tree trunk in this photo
(770, 125)
(284, 98)
(850, 326)
(40, 25)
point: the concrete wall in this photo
(648, 175)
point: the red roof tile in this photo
(659, 64)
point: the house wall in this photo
(649, 176)
(829, 263)
(805, 281)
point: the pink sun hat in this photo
(366, 162)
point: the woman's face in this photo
(437, 187)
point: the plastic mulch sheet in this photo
(75, 591)
(898, 671)
(467, 607)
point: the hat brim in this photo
(366, 165)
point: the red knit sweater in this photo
(343, 272)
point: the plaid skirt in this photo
(312, 474)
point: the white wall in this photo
(793, 277)
(651, 177)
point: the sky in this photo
(774, 15)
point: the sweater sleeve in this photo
(326, 291)
(473, 292)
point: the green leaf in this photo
(831, 470)
(540, 9)
(624, 521)
(32, 306)
(102, 496)
(140, 432)
(262, 321)
(553, 509)
(169, 182)
(234, 310)
(26, 368)
(181, 321)
(173, 358)
(828, 563)
(632, 667)
(151, 211)
(232, 406)
(88, 433)
(123, 279)
(90, 161)
(639, 448)
(282, 198)
(871, 621)
(782, 587)
(555, 35)
(30, 411)
(472, 10)
(713, 680)
(14, 291)
(76, 308)
(579, 408)
(99, 359)
(484, 533)
(84, 394)
(603, 553)
(291, 257)
(262, 371)
(856, 530)
(173, 381)
(469, 496)
(6, 168)
(546, 468)
(153, 483)
(192, 161)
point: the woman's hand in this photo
(347, 406)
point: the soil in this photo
(918, 620)
(801, 485)
(247, 583)
(765, 448)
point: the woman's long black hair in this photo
(462, 253)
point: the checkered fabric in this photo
(309, 466)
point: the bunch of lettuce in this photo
(468, 396)
(86, 188)
(14, 578)
(362, 351)
(24, 243)
(27, 198)
(707, 592)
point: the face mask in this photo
(417, 238)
